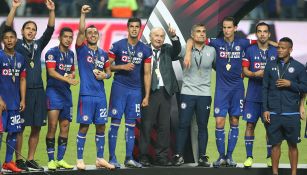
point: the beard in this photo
(92, 43)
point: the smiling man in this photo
(163, 86)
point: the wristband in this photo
(108, 76)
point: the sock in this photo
(220, 141)
(80, 144)
(269, 149)
(113, 137)
(130, 138)
(100, 144)
(10, 146)
(50, 142)
(249, 143)
(232, 139)
(62, 144)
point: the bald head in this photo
(157, 36)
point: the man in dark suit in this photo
(163, 86)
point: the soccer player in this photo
(229, 89)
(254, 61)
(2, 108)
(13, 93)
(196, 96)
(284, 83)
(94, 68)
(35, 113)
(132, 68)
(60, 75)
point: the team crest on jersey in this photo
(50, 57)
(35, 46)
(22, 120)
(140, 54)
(85, 118)
(237, 48)
(291, 70)
(272, 58)
(248, 115)
(102, 58)
(18, 65)
(183, 105)
(114, 111)
(217, 110)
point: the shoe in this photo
(132, 164)
(11, 167)
(178, 160)
(269, 161)
(63, 164)
(145, 161)
(21, 164)
(203, 161)
(52, 165)
(219, 162)
(230, 162)
(80, 164)
(34, 166)
(248, 162)
(114, 162)
(163, 162)
(101, 163)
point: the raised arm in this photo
(11, 15)
(51, 7)
(81, 34)
(188, 53)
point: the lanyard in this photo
(95, 57)
(200, 54)
(30, 49)
(64, 57)
(280, 76)
(12, 67)
(228, 52)
(130, 53)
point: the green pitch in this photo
(90, 148)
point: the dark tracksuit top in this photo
(283, 100)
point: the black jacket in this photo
(168, 54)
(283, 100)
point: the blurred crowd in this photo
(269, 9)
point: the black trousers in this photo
(158, 114)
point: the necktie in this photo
(154, 77)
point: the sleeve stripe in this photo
(111, 55)
(245, 63)
(147, 60)
(23, 74)
(107, 64)
(50, 64)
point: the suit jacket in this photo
(168, 54)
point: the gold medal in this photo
(13, 78)
(228, 66)
(32, 64)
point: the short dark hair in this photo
(263, 24)
(288, 40)
(134, 19)
(65, 29)
(231, 19)
(28, 22)
(90, 26)
(8, 30)
(196, 25)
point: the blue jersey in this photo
(123, 53)
(88, 60)
(256, 59)
(229, 54)
(62, 63)
(11, 69)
